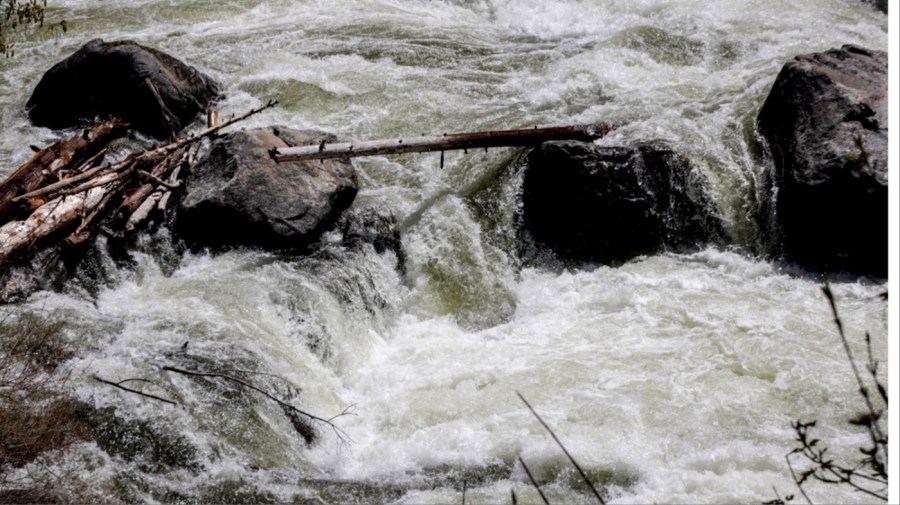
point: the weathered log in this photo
(53, 216)
(445, 142)
(143, 211)
(146, 158)
(135, 198)
(86, 230)
(49, 162)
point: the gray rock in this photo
(17, 285)
(609, 204)
(121, 79)
(825, 121)
(373, 226)
(238, 195)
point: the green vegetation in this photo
(17, 17)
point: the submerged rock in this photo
(238, 195)
(373, 226)
(153, 91)
(826, 123)
(609, 204)
(881, 5)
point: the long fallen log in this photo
(445, 142)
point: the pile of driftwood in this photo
(59, 197)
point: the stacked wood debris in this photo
(58, 199)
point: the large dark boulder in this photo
(825, 121)
(881, 5)
(238, 195)
(588, 203)
(156, 93)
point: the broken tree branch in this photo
(265, 393)
(120, 386)
(65, 153)
(445, 142)
(83, 232)
(150, 157)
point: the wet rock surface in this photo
(371, 225)
(587, 203)
(825, 121)
(237, 195)
(153, 91)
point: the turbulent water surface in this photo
(672, 379)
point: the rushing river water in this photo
(672, 379)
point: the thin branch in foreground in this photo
(797, 480)
(778, 499)
(873, 370)
(879, 440)
(533, 482)
(337, 431)
(124, 388)
(826, 470)
(561, 446)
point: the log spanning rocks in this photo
(826, 123)
(155, 93)
(238, 195)
(587, 203)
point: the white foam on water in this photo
(673, 378)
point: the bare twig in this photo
(120, 386)
(157, 180)
(825, 469)
(340, 433)
(868, 471)
(561, 446)
(878, 438)
(797, 480)
(873, 370)
(50, 188)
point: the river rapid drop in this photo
(673, 378)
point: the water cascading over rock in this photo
(826, 123)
